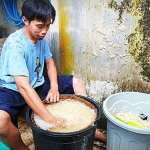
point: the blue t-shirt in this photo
(21, 57)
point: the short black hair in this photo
(41, 10)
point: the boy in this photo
(22, 82)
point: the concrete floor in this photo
(26, 135)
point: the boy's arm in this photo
(34, 101)
(53, 94)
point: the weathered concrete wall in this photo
(104, 42)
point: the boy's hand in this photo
(60, 122)
(52, 96)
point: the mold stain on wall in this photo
(129, 6)
(65, 55)
(138, 41)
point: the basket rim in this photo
(72, 97)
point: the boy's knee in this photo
(5, 118)
(79, 87)
(77, 82)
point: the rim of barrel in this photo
(144, 131)
(96, 106)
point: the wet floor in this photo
(26, 135)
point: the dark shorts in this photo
(12, 102)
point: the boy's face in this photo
(36, 30)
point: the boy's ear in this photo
(25, 20)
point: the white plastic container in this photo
(121, 136)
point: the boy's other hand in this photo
(52, 96)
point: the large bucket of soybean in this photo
(128, 121)
(76, 140)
